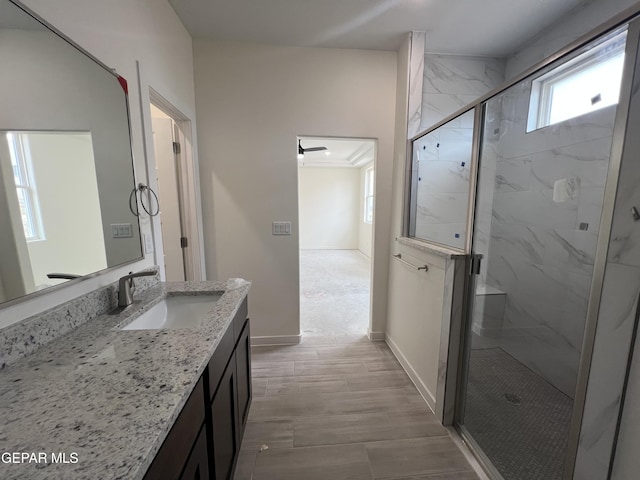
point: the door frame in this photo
(372, 274)
(188, 187)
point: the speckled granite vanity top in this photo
(107, 395)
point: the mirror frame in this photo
(123, 82)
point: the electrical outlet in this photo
(281, 228)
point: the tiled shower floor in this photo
(520, 421)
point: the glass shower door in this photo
(544, 156)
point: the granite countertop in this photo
(107, 395)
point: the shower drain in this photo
(512, 399)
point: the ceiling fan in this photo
(301, 150)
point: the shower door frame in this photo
(459, 365)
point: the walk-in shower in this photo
(524, 183)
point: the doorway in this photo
(176, 178)
(336, 178)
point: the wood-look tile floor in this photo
(338, 408)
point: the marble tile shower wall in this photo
(452, 81)
(443, 168)
(541, 250)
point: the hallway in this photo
(341, 407)
(334, 292)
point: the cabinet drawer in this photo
(221, 356)
(219, 360)
(175, 450)
(239, 319)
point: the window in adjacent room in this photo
(368, 195)
(25, 186)
(589, 82)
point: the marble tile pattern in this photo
(107, 394)
(416, 69)
(453, 81)
(22, 338)
(536, 247)
(349, 413)
(442, 168)
(617, 317)
(436, 250)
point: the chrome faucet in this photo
(126, 287)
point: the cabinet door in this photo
(197, 467)
(224, 423)
(243, 372)
(174, 453)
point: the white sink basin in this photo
(175, 312)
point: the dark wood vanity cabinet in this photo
(204, 442)
(225, 436)
(230, 392)
(243, 374)
(180, 448)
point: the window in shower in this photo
(586, 83)
(440, 179)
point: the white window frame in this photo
(369, 187)
(542, 88)
(25, 186)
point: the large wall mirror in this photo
(66, 167)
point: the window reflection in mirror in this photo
(54, 185)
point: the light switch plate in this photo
(121, 230)
(148, 243)
(281, 228)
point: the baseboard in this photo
(276, 340)
(417, 381)
(376, 336)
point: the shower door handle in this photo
(476, 260)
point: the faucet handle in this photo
(132, 285)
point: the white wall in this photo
(71, 217)
(119, 33)
(365, 229)
(329, 204)
(253, 101)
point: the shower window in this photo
(588, 82)
(440, 179)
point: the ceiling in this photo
(343, 152)
(490, 27)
